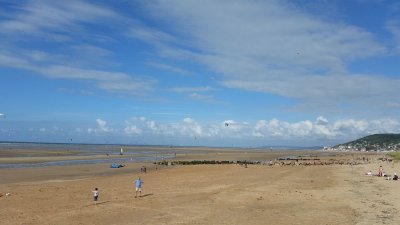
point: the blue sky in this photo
(175, 72)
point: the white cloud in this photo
(44, 21)
(394, 28)
(273, 47)
(273, 128)
(201, 97)
(193, 93)
(39, 16)
(232, 127)
(109, 81)
(173, 69)
(133, 130)
(302, 128)
(92, 50)
(350, 126)
(191, 89)
(323, 130)
(384, 126)
(142, 126)
(148, 34)
(101, 127)
(189, 127)
(321, 120)
(10, 60)
(142, 130)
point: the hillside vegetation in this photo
(375, 142)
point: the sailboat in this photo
(121, 152)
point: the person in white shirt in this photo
(95, 195)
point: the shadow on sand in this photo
(99, 203)
(145, 195)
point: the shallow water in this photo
(84, 161)
(149, 155)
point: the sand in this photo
(202, 194)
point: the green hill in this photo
(380, 139)
(374, 142)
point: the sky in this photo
(200, 73)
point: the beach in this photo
(203, 194)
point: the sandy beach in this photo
(202, 194)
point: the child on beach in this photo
(138, 185)
(95, 195)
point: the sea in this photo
(130, 153)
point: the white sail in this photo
(121, 152)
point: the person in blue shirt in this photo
(138, 185)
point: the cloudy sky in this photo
(216, 73)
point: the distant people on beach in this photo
(143, 169)
(95, 195)
(380, 171)
(395, 177)
(138, 186)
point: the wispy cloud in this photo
(191, 89)
(74, 91)
(174, 69)
(394, 28)
(148, 34)
(75, 59)
(276, 48)
(193, 93)
(92, 50)
(39, 16)
(202, 97)
(110, 81)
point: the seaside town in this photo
(364, 147)
(372, 143)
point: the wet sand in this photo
(202, 194)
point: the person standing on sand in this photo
(380, 171)
(95, 195)
(138, 185)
